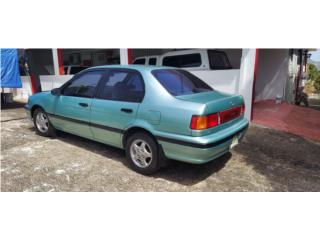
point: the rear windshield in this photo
(180, 82)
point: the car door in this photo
(116, 104)
(72, 110)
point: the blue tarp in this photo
(10, 76)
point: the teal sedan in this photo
(154, 113)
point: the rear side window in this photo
(124, 86)
(183, 61)
(140, 61)
(180, 82)
(84, 85)
(152, 61)
(218, 60)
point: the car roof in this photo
(183, 52)
(150, 56)
(132, 66)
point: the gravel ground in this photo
(267, 160)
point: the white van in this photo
(147, 60)
(196, 59)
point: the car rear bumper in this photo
(203, 149)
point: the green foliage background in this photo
(314, 76)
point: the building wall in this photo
(49, 82)
(139, 52)
(40, 61)
(94, 57)
(292, 76)
(272, 73)
(245, 84)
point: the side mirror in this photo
(56, 91)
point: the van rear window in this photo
(180, 82)
(140, 61)
(152, 61)
(218, 60)
(183, 61)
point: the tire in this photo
(142, 153)
(40, 120)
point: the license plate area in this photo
(235, 141)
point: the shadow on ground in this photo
(267, 160)
(12, 105)
(179, 172)
(191, 174)
(290, 162)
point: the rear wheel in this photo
(42, 124)
(142, 153)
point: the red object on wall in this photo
(60, 61)
(129, 55)
(33, 83)
(256, 61)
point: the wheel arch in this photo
(34, 107)
(133, 130)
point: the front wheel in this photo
(42, 124)
(142, 153)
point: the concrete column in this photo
(55, 61)
(125, 56)
(245, 85)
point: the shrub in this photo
(312, 71)
(317, 84)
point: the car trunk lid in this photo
(228, 107)
(214, 101)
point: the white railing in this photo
(49, 82)
(23, 93)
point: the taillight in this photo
(204, 122)
(212, 120)
(243, 109)
(229, 114)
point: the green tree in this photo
(313, 72)
(316, 83)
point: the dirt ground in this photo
(266, 160)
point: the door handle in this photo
(126, 110)
(83, 104)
